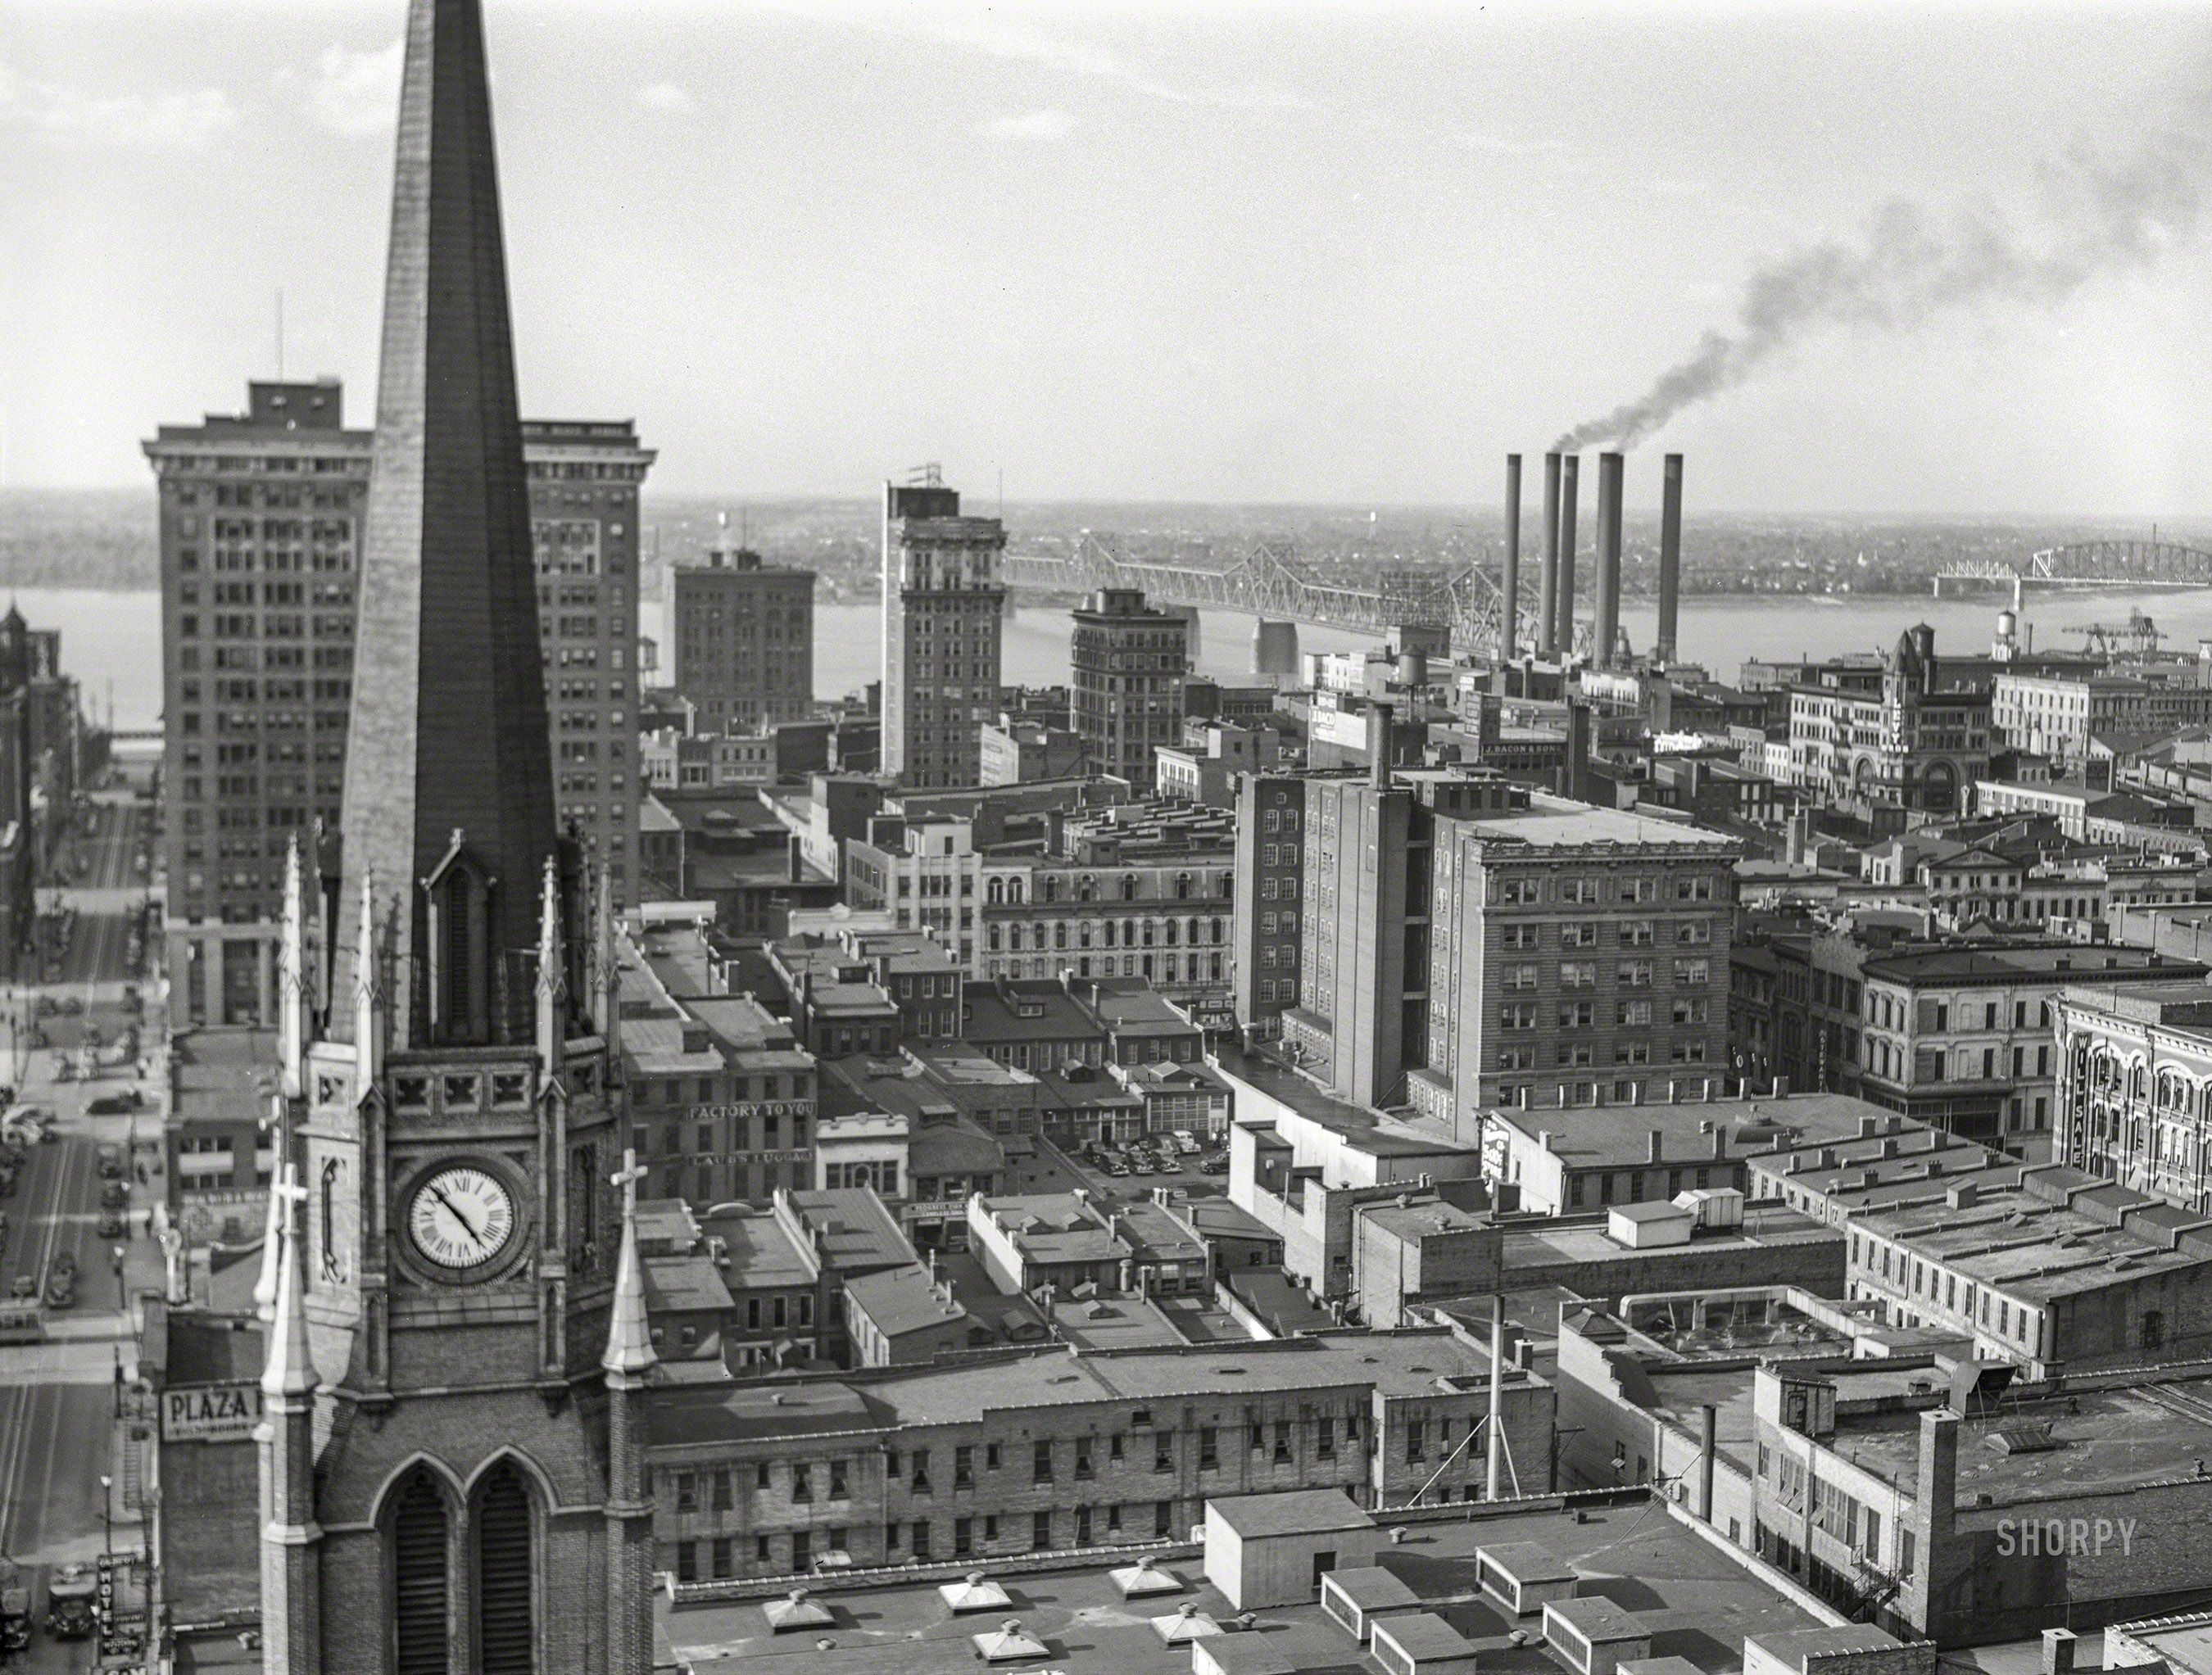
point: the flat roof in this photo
(1698, 1601)
(2008, 1240)
(1291, 1511)
(2108, 1440)
(1945, 965)
(1693, 1132)
(1553, 1240)
(1556, 822)
(762, 1257)
(1399, 1363)
(1369, 1131)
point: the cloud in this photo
(1021, 44)
(350, 93)
(666, 96)
(1045, 124)
(171, 119)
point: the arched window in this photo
(1182, 886)
(1128, 887)
(418, 1577)
(506, 1641)
(996, 893)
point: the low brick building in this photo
(1028, 1452)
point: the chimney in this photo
(1670, 557)
(1578, 742)
(1606, 631)
(1548, 575)
(1571, 471)
(1509, 581)
(798, 861)
(2059, 1651)
(1378, 746)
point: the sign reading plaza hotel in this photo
(211, 1412)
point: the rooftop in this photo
(1621, 1136)
(2021, 1244)
(1553, 1240)
(2108, 1441)
(905, 1300)
(1401, 1363)
(1951, 965)
(1555, 823)
(1697, 1602)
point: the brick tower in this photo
(450, 1479)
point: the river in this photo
(111, 641)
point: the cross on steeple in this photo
(627, 1178)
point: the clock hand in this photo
(467, 1226)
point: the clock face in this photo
(461, 1217)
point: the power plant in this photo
(1555, 578)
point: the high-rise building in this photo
(260, 534)
(1467, 941)
(586, 476)
(1129, 663)
(1269, 885)
(742, 631)
(260, 531)
(942, 600)
(457, 1353)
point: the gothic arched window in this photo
(418, 1578)
(505, 1633)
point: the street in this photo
(57, 1399)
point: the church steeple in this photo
(448, 768)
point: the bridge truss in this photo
(1267, 583)
(2091, 564)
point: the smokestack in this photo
(1571, 471)
(1509, 584)
(1670, 557)
(1607, 626)
(1578, 744)
(1547, 577)
(1378, 746)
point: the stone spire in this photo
(448, 733)
(289, 1367)
(292, 980)
(552, 971)
(630, 1336)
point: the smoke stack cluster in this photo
(1555, 582)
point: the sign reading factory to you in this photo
(210, 1412)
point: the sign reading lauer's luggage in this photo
(210, 1412)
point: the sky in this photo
(1209, 251)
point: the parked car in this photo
(111, 1164)
(1187, 1144)
(111, 1225)
(23, 1286)
(115, 1195)
(1218, 1164)
(61, 1292)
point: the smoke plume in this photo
(2098, 215)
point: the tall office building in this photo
(744, 636)
(585, 479)
(1270, 890)
(260, 531)
(942, 600)
(1128, 664)
(1467, 941)
(260, 536)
